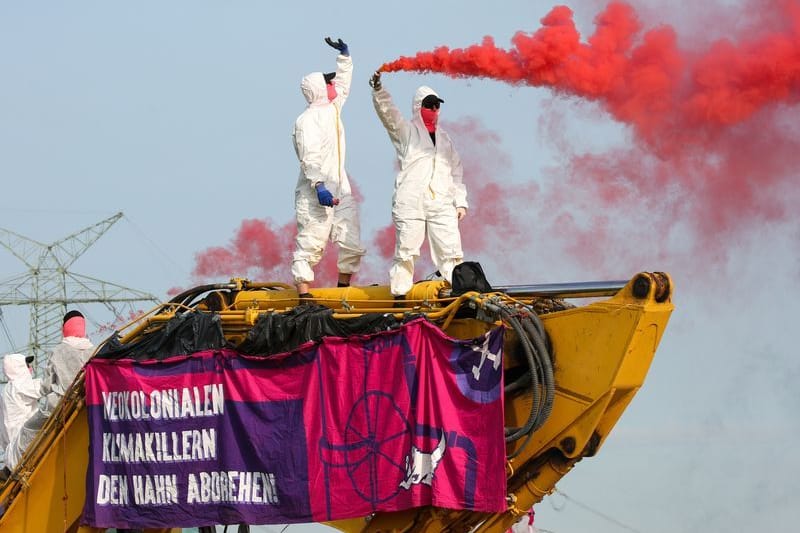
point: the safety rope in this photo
(338, 149)
(64, 468)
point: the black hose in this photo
(513, 434)
(546, 364)
(522, 446)
(539, 377)
(537, 322)
(522, 382)
(188, 295)
(531, 376)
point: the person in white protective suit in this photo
(20, 396)
(63, 364)
(324, 204)
(429, 193)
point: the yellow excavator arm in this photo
(597, 356)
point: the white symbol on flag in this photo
(486, 353)
(421, 466)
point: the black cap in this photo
(72, 314)
(431, 101)
(329, 76)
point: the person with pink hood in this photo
(63, 364)
(66, 359)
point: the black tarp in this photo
(280, 332)
(183, 334)
(272, 333)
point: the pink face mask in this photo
(429, 117)
(75, 327)
(331, 91)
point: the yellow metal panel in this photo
(353, 299)
(589, 344)
(51, 495)
(642, 348)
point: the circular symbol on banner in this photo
(379, 345)
(376, 436)
(479, 368)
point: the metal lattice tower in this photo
(49, 288)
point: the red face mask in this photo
(74, 327)
(331, 91)
(429, 117)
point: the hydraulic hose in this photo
(541, 345)
(513, 434)
(522, 446)
(186, 297)
(539, 376)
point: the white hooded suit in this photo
(319, 141)
(63, 364)
(19, 399)
(427, 191)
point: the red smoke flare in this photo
(717, 145)
(716, 154)
(647, 82)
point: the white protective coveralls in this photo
(427, 191)
(20, 397)
(64, 363)
(319, 141)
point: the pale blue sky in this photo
(179, 114)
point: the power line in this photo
(152, 243)
(602, 515)
(48, 286)
(49, 211)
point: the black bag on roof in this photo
(468, 276)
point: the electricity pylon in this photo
(49, 288)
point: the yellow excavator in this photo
(574, 356)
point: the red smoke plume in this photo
(717, 145)
(716, 153)
(260, 251)
(643, 81)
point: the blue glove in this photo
(324, 195)
(339, 45)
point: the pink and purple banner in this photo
(337, 429)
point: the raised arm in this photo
(396, 125)
(344, 70)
